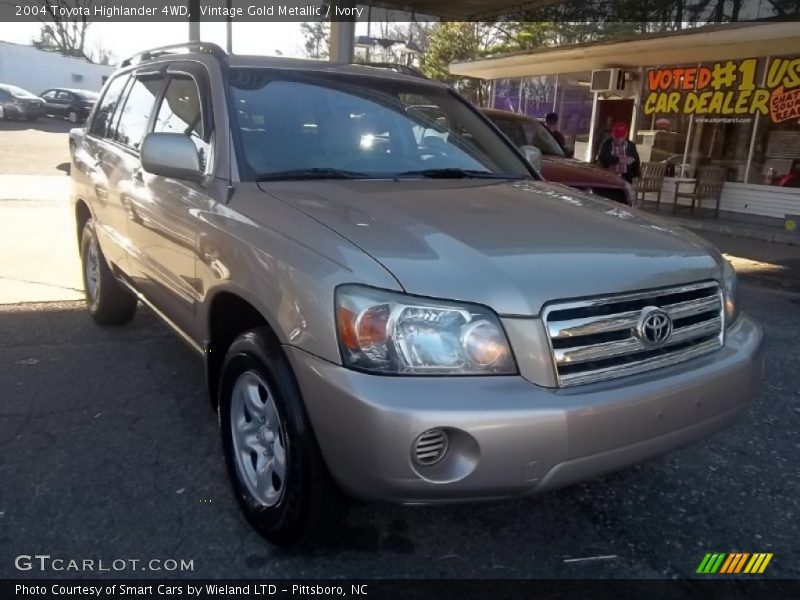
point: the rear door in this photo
(94, 174)
(63, 103)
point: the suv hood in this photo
(509, 245)
(579, 174)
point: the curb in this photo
(777, 237)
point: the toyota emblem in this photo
(655, 326)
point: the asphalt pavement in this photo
(109, 450)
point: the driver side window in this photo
(181, 112)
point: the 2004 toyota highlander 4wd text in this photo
(393, 307)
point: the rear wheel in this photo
(275, 465)
(108, 301)
(72, 116)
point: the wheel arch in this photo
(229, 314)
(82, 214)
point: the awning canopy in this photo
(703, 44)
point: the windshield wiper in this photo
(315, 173)
(453, 173)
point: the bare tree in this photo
(64, 26)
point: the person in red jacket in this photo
(792, 178)
(618, 154)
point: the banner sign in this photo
(726, 88)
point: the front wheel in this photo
(108, 301)
(274, 462)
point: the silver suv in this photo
(391, 306)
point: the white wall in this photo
(747, 198)
(36, 70)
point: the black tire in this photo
(72, 116)
(108, 301)
(311, 506)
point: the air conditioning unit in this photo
(608, 80)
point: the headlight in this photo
(730, 288)
(389, 332)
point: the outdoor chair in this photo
(651, 180)
(707, 186)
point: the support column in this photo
(637, 104)
(590, 150)
(229, 29)
(343, 34)
(754, 133)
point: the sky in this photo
(126, 39)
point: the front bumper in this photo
(510, 437)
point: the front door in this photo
(162, 226)
(608, 113)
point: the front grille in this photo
(601, 338)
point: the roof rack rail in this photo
(398, 68)
(198, 47)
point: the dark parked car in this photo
(556, 166)
(73, 105)
(18, 103)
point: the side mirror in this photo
(171, 155)
(533, 155)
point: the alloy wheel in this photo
(258, 441)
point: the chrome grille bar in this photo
(596, 339)
(629, 319)
(632, 344)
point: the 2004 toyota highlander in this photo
(391, 307)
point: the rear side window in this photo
(135, 114)
(181, 112)
(513, 129)
(104, 115)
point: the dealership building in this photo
(722, 95)
(37, 70)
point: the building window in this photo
(566, 94)
(740, 115)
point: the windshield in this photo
(17, 92)
(343, 126)
(528, 132)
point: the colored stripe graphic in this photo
(734, 563)
(711, 562)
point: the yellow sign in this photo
(726, 88)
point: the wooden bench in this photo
(707, 186)
(651, 180)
